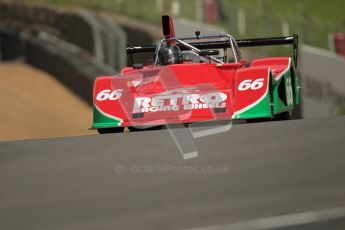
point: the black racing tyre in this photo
(279, 117)
(258, 120)
(143, 128)
(111, 130)
(283, 116)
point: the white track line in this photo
(282, 221)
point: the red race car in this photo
(195, 79)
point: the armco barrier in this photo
(102, 35)
(11, 46)
(74, 67)
(323, 82)
(71, 65)
(75, 46)
(67, 25)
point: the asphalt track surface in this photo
(106, 181)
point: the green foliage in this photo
(313, 20)
(342, 111)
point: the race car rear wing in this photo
(271, 41)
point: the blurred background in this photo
(52, 50)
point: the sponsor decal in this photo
(176, 102)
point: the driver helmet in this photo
(169, 54)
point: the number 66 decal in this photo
(250, 84)
(107, 94)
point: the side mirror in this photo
(208, 52)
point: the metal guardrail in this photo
(120, 37)
(109, 39)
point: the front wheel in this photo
(111, 130)
(144, 128)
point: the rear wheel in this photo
(283, 116)
(279, 117)
(111, 130)
(258, 120)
